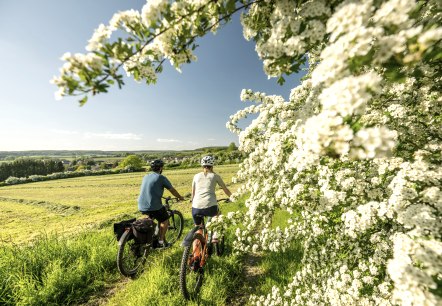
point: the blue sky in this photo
(182, 111)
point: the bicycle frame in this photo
(198, 248)
(207, 240)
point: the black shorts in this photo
(160, 215)
(211, 211)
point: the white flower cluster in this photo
(283, 18)
(353, 156)
(160, 31)
(76, 63)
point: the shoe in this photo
(164, 245)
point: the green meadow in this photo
(71, 205)
(57, 247)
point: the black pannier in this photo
(143, 230)
(121, 226)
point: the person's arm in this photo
(193, 192)
(175, 193)
(223, 186)
(227, 191)
(168, 186)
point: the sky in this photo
(182, 111)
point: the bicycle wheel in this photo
(176, 223)
(220, 246)
(131, 255)
(191, 273)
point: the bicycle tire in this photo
(191, 274)
(131, 256)
(220, 246)
(176, 224)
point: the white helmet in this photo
(207, 161)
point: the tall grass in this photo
(55, 270)
(69, 270)
(159, 283)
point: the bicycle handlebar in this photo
(170, 200)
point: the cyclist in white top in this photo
(203, 191)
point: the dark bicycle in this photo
(134, 247)
(198, 247)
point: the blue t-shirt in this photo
(152, 189)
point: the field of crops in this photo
(71, 205)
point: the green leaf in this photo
(83, 100)
(230, 6)
(281, 80)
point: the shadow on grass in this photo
(278, 268)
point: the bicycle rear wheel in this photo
(176, 224)
(191, 273)
(131, 255)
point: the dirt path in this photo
(102, 297)
(250, 277)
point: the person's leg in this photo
(162, 217)
(163, 229)
(197, 220)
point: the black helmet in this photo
(156, 164)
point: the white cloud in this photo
(211, 139)
(168, 140)
(64, 132)
(108, 135)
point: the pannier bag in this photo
(143, 230)
(121, 226)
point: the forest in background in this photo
(27, 166)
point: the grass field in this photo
(71, 205)
(57, 247)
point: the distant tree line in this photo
(25, 167)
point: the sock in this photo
(161, 241)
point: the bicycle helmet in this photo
(156, 164)
(207, 161)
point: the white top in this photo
(204, 188)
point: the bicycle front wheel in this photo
(131, 255)
(176, 224)
(191, 272)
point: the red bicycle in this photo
(198, 247)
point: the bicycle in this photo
(198, 247)
(131, 254)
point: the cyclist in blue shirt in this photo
(149, 201)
